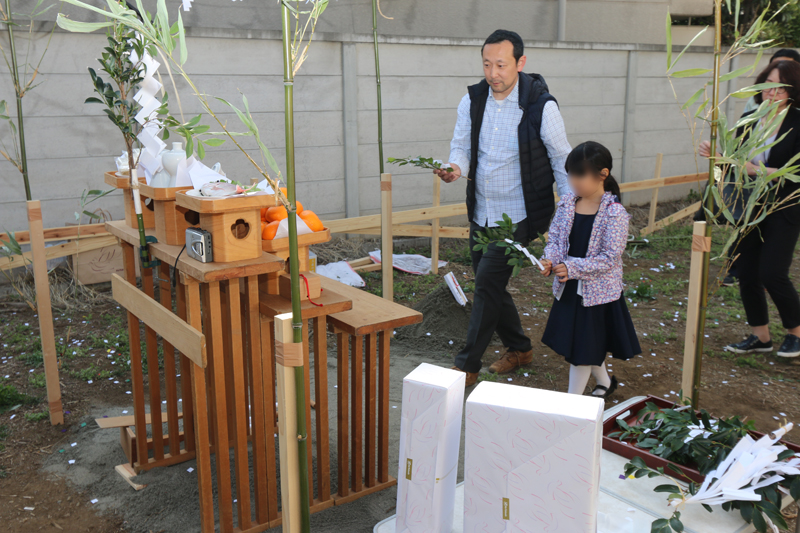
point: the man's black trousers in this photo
(493, 308)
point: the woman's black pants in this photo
(765, 255)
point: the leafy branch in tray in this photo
(421, 162)
(503, 236)
(683, 437)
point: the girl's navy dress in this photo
(584, 335)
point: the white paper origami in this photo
(430, 434)
(532, 460)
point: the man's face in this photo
(499, 66)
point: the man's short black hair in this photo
(498, 36)
(785, 53)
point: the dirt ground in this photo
(41, 491)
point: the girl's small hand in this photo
(561, 271)
(548, 267)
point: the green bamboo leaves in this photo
(421, 162)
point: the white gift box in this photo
(532, 460)
(430, 434)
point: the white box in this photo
(430, 434)
(532, 460)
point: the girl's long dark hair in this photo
(592, 157)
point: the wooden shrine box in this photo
(234, 223)
(280, 247)
(122, 181)
(311, 291)
(171, 219)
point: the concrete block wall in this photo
(615, 94)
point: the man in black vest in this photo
(510, 141)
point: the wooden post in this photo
(387, 248)
(437, 191)
(45, 312)
(699, 243)
(287, 360)
(654, 199)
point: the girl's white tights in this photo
(579, 377)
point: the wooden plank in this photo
(287, 433)
(342, 415)
(654, 198)
(62, 233)
(307, 382)
(666, 221)
(185, 338)
(357, 399)
(268, 379)
(257, 358)
(321, 397)
(240, 422)
(692, 314)
(330, 301)
(191, 290)
(346, 225)
(203, 272)
(126, 472)
(383, 405)
(370, 387)
(224, 499)
(437, 188)
(60, 250)
(663, 182)
(361, 262)
(369, 313)
(418, 230)
(45, 312)
(134, 343)
(186, 365)
(387, 240)
(128, 420)
(369, 268)
(153, 371)
(170, 372)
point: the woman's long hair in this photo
(592, 157)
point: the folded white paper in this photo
(182, 178)
(430, 433)
(283, 227)
(150, 163)
(148, 89)
(532, 460)
(200, 174)
(150, 140)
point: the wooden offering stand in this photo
(123, 181)
(234, 223)
(171, 219)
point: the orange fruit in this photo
(276, 213)
(312, 220)
(264, 213)
(285, 191)
(269, 231)
(299, 207)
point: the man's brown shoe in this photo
(472, 377)
(511, 360)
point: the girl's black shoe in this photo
(608, 390)
(751, 344)
(790, 346)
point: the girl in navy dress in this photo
(584, 250)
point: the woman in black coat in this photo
(765, 253)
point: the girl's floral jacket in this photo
(601, 270)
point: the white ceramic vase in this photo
(170, 160)
(161, 179)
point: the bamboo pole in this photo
(294, 268)
(45, 312)
(437, 193)
(701, 315)
(290, 458)
(387, 245)
(654, 198)
(378, 81)
(18, 92)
